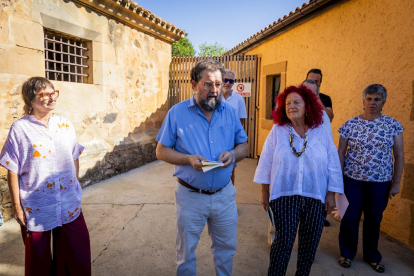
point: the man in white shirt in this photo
(313, 86)
(233, 99)
(313, 82)
(316, 75)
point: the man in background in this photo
(232, 98)
(235, 100)
(316, 76)
(325, 118)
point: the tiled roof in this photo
(132, 14)
(147, 14)
(277, 25)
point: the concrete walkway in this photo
(131, 219)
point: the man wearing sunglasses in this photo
(203, 128)
(233, 99)
(236, 101)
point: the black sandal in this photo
(378, 267)
(344, 262)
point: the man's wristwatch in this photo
(234, 156)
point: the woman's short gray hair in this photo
(375, 88)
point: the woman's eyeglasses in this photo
(44, 96)
(231, 81)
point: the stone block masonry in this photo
(118, 112)
(124, 158)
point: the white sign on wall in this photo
(244, 89)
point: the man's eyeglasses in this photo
(44, 96)
(209, 85)
(231, 81)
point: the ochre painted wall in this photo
(357, 43)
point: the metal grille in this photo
(65, 58)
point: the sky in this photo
(226, 22)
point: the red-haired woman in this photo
(300, 173)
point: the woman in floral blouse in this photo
(41, 155)
(366, 147)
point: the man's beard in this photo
(210, 105)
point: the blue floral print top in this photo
(370, 143)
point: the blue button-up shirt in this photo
(187, 130)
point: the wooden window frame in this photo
(268, 74)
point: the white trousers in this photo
(193, 211)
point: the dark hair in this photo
(312, 108)
(375, 88)
(206, 64)
(312, 82)
(315, 71)
(29, 90)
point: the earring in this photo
(30, 110)
(306, 114)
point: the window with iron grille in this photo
(66, 58)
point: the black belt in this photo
(206, 192)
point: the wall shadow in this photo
(136, 149)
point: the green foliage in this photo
(211, 50)
(183, 48)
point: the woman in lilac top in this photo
(366, 149)
(41, 155)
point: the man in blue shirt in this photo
(235, 100)
(231, 97)
(197, 129)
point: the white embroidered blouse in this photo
(311, 175)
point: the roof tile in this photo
(141, 11)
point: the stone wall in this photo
(117, 115)
(357, 43)
(5, 202)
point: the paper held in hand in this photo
(209, 165)
(270, 215)
(342, 204)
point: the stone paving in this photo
(131, 219)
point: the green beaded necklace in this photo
(292, 148)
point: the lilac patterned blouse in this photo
(370, 143)
(43, 158)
